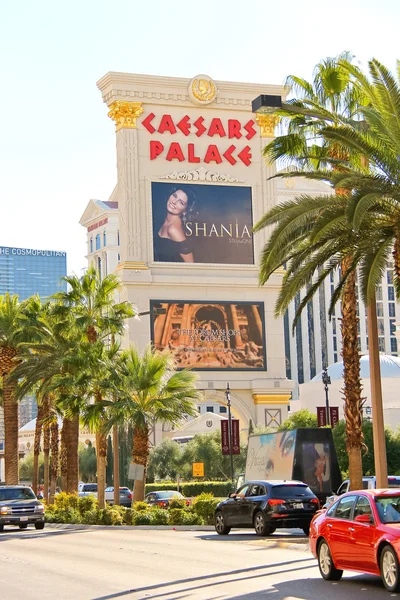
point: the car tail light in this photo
(275, 501)
(315, 501)
(130, 496)
(162, 503)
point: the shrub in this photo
(63, 501)
(109, 516)
(159, 516)
(67, 515)
(179, 516)
(138, 506)
(176, 502)
(129, 517)
(204, 506)
(194, 488)
(86, 504)
(91, 517)
(142, 517)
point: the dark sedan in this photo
(266, 506)
(163, 498)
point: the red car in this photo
(360, 532)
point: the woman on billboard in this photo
(171, 243)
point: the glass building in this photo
(25, 271)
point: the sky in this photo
(57, 145)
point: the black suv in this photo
(19, 506)
(267, 505)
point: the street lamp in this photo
(267, 105)
(228, 400)
(326, 380)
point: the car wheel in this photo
(390, 569)
(39, 525)
(23, 525)
(1, 528)
(220, 526)
(306, 530)
(261, 526)
(325, 563)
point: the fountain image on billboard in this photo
(210, 335)
(202, 223)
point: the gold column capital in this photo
(267, 124)
(125, 114)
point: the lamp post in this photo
(228, 400)
(326, 380)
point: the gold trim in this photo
(134, 266)
(267, 125)
(125, 114)
(271, 398)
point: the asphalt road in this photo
(108, 564)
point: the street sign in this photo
(225, 436)
(198, 469)
(136, 471)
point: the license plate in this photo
(23, 518)
(298, 505)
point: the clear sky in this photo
(57, 148)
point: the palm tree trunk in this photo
(351, 377)
(101, 455)
(140, 455)
(378, 426)
(11, 454)
(116, 464)
(46, 452)
(72, 455)
(54, 459)
(63, 454)
(36, 448)
(396, 258)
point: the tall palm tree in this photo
(90, 300)
(150, 390)
(330, 99)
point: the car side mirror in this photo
(363, 519)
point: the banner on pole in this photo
(321, 416)
(225, 437)
(334, 414)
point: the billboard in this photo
(202, 223)
(271, 456)
(210, 335)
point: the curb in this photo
(82, 527)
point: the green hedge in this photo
(194, 488)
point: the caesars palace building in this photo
(178, 232)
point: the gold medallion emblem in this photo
(202, 89)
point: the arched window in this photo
(98, 243)
(91, 244)
(104, 239)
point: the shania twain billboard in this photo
(202, 223)
(210, 335)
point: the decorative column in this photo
(271, 409)
(267, 124)
(125, 114)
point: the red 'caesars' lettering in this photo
(166, 124)
(155, 149)
(147, 123)
(184, 125)
(228, 155)
(234, 127)
(212, 155)
(199, 126)
(216, 128)
(175, 151)
(249, 127)
(245, 155)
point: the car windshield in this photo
(290, 491)
(162, 495)
(17, 494)
(90, 488)
(388, 508)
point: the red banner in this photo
(225, 437)
(321, 416)
(334, 414)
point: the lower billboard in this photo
(210, 335)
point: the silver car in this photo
(19, 506)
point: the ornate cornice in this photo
(132, 266)
(271, 398)
(201, 174)
(125, 114)
(267, 125)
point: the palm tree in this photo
(151, 390)
(90, 301)
(13, 331)
(331, 98)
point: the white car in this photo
(125, 496)
(87, 489)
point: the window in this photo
(393, 345)
(256, 490)
(344, 507)
(210, 409)
(363, 507)
(91, 244)
(392, 309)
(117, 238)
(391, 293)
(104, 238)
(223, 409)
(98, 244)
(99, 265)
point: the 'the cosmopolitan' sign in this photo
(6, 251)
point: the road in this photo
(117, 564)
